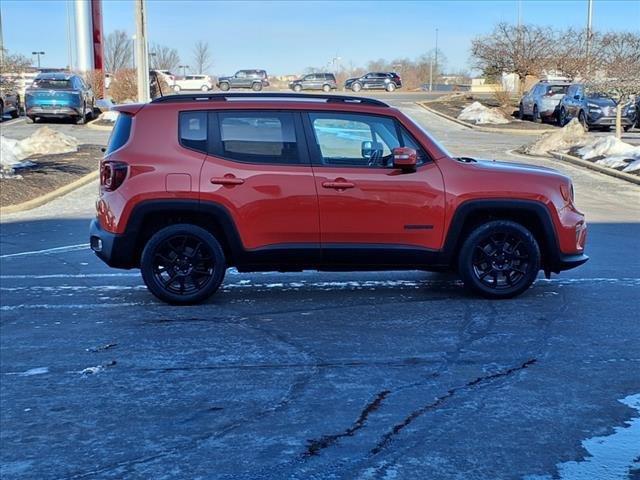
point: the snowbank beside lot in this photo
(479, 114)
(44, 141)
(573, 139)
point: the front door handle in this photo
(340, 185)
(227, 180)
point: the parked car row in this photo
(560, 102)
(59, 95)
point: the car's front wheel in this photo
(582, 118)
(183, 264)
(536, 115)
(297, 88)
(499, 259)
(356, 86)
(82, 118)
(562, 117)
(224, 86)
(205, 88)
(521, 112)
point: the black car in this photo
(254, 79)
(593, 109)
(315, 81)
(388, 81)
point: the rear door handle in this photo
(227, 180)
(338, 185)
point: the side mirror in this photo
(371, 150)
(405, 159)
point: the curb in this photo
(598, 168)
(485, 129)
(47, 197)
(99, 127)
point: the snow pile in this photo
(611, 152)
(570, 135)
(478, 113)
(44, 141)
(109, 116)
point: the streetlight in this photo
(38, 54)
(184, 69)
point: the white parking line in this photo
(46, 251)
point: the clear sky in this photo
(286, 37)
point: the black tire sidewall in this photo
(225, 87)
(146, 264)
(465, 258)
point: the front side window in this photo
(258, 137)
(193, 130)
(358, 140)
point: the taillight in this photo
(112, 174)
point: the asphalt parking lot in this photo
(321, 375)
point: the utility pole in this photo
(1, 42)
(436, 60)
(142, 58)
(589, 33)
(38, 55)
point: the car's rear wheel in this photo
(82, 118)
(326, 88)
(176, 88)
(224, 86)
(183, 264)
(356, 86)
(256, 87)
(499, 259)
(16, 113)
(627, 128)
(297, 88)
(536, 115)
(390, 87)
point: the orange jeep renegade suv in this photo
(191, 185)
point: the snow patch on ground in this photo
(108, 116)
(479, 114)
(570, 135)
(610, 457)
(44, 141)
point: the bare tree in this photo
(11, 67)
(118, 51)
(617, 73)
(164, 58)
(201, 57)
(523, 50)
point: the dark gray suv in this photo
(593, 109)
(315, 81)
(254, 79)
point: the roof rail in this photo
(223, 97)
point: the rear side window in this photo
(120, 133)
(258, 137)
(193, 130)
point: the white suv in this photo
(194, 82)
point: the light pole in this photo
(38, 55)
(589, 33)
(435, 63)
(184, 69)
(152, 55)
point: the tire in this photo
(182, 264)
(16, 113)
(326, 88)
(356, 86)
(1, 112)
(536, 115)
(176, 88)
(297, 88)
(562, 117)
(582, 118)
(31, 119)
(204, 88)
(499, 259)
(606, 129)
(224, 86)
(626, 129)
(82, 119)
(390, 87)
(520, 112)
(256, 87)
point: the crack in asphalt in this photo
(315, 446)
(388, 437)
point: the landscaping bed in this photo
(453, 105)
(48, 173)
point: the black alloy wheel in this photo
(499, 259)
(183, 264)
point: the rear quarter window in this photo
(193, 130)
(120, 133)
